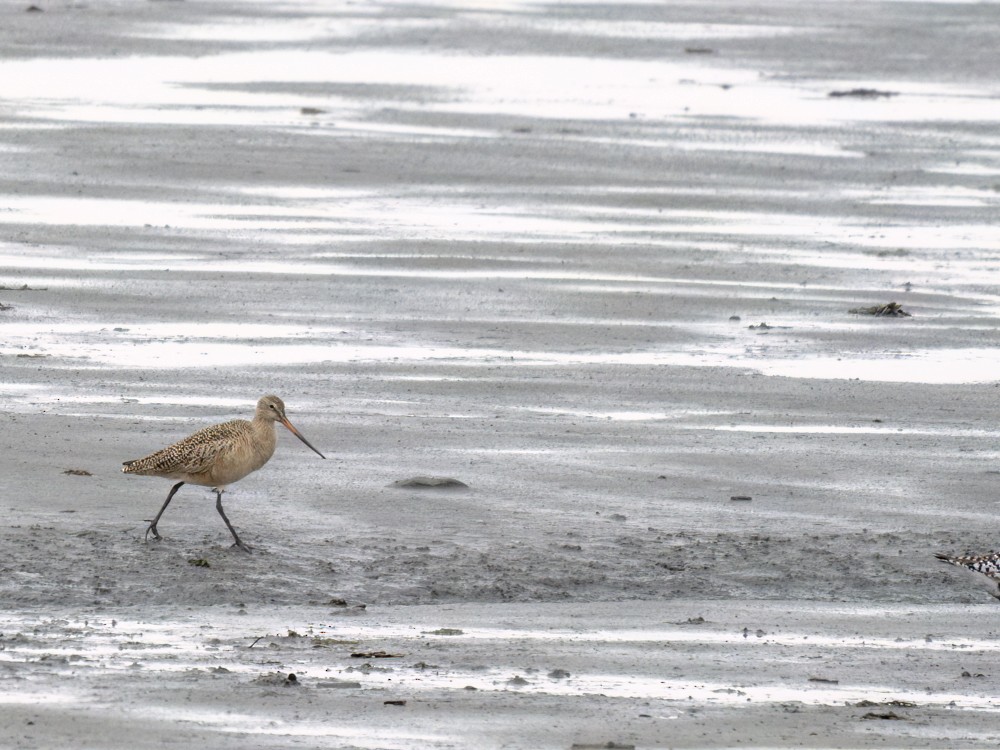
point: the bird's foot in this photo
(246, 548)
(152, 530)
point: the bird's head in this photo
(272, 409)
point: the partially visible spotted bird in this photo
(986, 567)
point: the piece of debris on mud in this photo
(78, 472)
(827, 680)
(558, 674)
(23, 288)
(433, 482)
(278, 678)
(605, 746)
(445, 631)
(394, 703)
(199, 562)
(741, 498)
(699, 620)
(899, 252)
(699, 51)
(6, 307)
(319, 641)
(312, 111)
(760, 327)
(893, 704)
(862, 93)
(375, 655)
(518, 681)
(888, 310)
(885, 716)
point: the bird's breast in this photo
(242, 457)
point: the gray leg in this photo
(152, 525)
(218, 507)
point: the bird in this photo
(217, 456)
(988, 565)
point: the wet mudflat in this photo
(594, 262)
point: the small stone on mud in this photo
(435, 482)
(394, 703)
(518, 681)
(199, 562)
(78, 472)
(741, 498)
(558, 674)
(445, 631)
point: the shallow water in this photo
(705, 104)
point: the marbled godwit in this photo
(217, 456)
(988, 565)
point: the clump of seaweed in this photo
(863, 93)
(888, 310)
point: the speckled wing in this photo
(984, 569)
(194, 454)
(988, 565)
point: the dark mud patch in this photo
(43, 567)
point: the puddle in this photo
(185, 649)
(179, 90)
(933, 366)
(823, 429)
(934, 195)
(175, 346)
